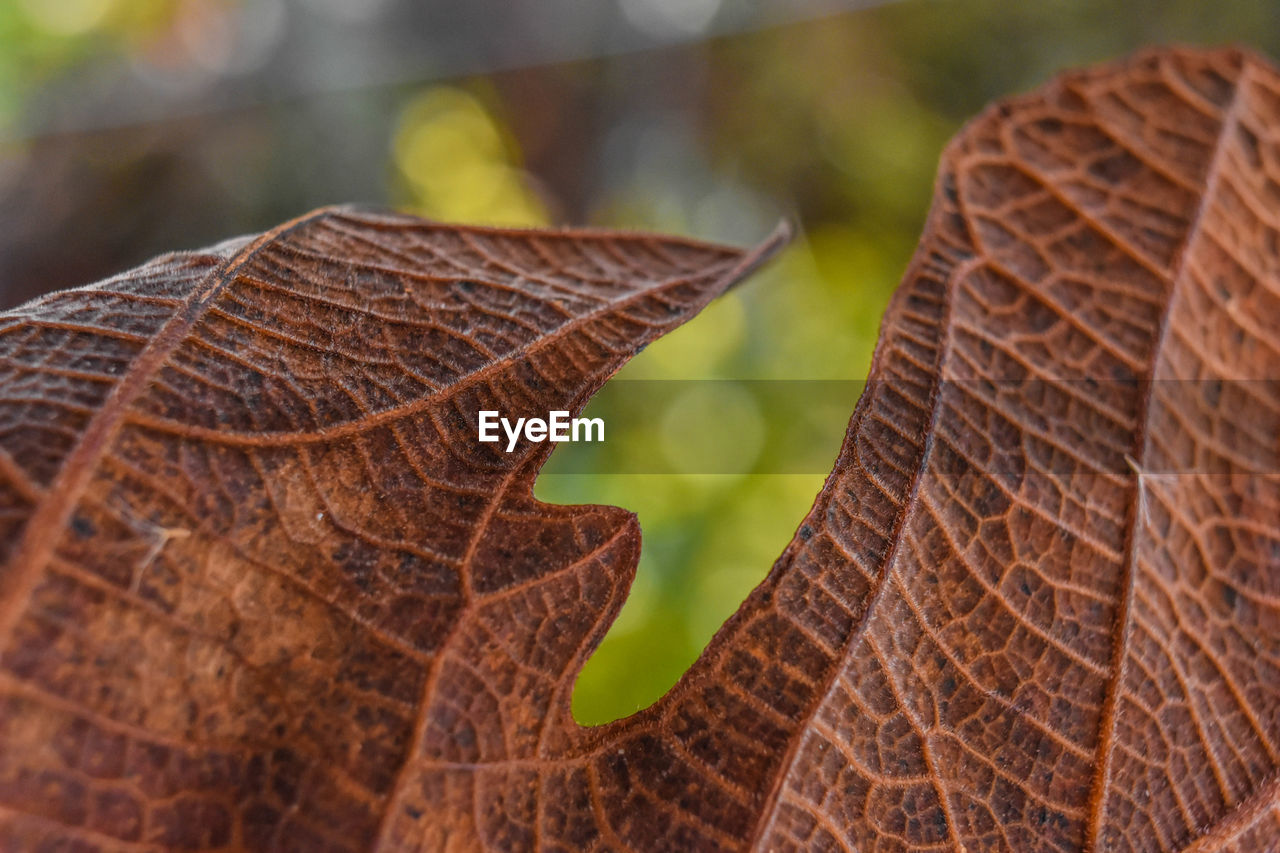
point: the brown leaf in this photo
(257, 566)
(262, 587)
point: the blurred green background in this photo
(132, 127)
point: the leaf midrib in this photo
(1098, 796)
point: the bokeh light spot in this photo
(66, 17)
(666, 18)
(458, 164)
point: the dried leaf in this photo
(262, 588)
(251, 547)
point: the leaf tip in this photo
(781, 236)
(761, 253)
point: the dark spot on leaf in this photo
(83, 527)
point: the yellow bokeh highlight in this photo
(66, 17)
(459, 165)
(124, 23)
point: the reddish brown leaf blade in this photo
(1037, 605)
(255, 558)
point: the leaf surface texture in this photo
(262, 588)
